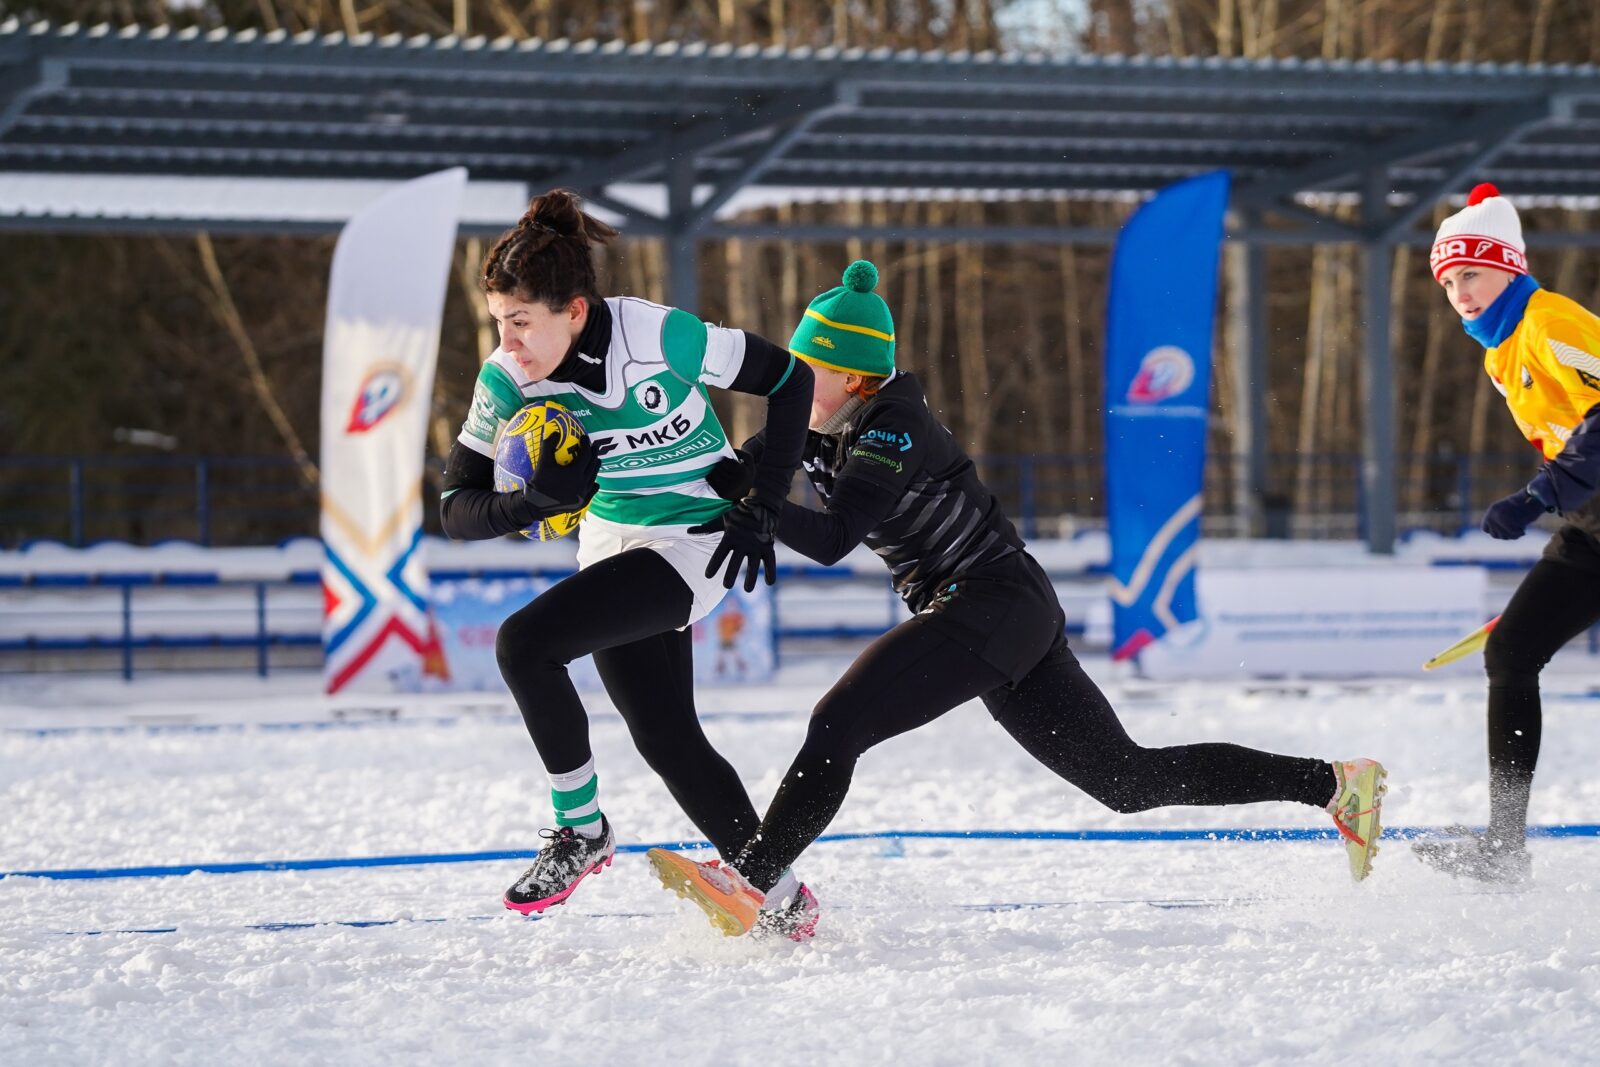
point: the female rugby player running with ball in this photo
(634, 374)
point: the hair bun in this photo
(558, 213)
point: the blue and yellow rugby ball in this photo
(517, 452)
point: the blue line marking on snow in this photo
(1590, 830)
(990, 907)
(378, 719)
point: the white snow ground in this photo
(930, 952)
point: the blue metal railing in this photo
(260, 636)
(142, 500)
(263, 637)
(263, 500)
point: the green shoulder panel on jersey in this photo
(495, 398)
(683, 342)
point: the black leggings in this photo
(927, 665)
(625, 610)
(1555, 603)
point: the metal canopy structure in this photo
(706, 126)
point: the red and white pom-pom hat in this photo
(1487, 232)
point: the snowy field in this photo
(935, 950)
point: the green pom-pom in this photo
(861, 276)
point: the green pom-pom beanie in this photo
(848, 328)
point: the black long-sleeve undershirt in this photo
(827, 536)
(786, 382)
(830, 534)
(470, 509)
(1573, 475)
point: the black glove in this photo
(733, 476)
(557, 490)
(747, 530)
(1509, 518)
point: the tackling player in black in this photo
(986, 625)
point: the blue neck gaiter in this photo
(1501, 318)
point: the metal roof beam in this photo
(1093, 235)
(1508, 169)
(774, 112)
(1005, 235)
(1488, 149)
(641, 116)
(1078, 235)
(1318, 224)
(821, 151)
(1251, 101)
(195, 129)
(137, 148)
(959, 121)
(1109, 176)
(405, 88)
(984, 234)
(823, 142)
(222, 164)
(476, 75)
(100, 226)
(1475, 126)
(291, 137)
(637, 220)
(784, 137)
(1520, 184)
(22, 83)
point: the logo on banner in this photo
(1164, 373)
(380, 395)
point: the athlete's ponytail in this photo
(546, 258)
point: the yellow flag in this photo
(1464, 647)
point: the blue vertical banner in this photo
(1159, 318)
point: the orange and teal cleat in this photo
(1356, 807)
(732, 904)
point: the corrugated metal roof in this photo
(326, 107)
(451, 44)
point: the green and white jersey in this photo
(654, 426)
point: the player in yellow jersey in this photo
(1542, 351)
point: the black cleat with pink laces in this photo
(567, 860)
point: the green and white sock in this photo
(576, 798)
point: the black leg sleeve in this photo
(905, 679)
(1555, 603)
(620, 600)
(1063, 720)
(652, 683)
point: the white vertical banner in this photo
(385, 306)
